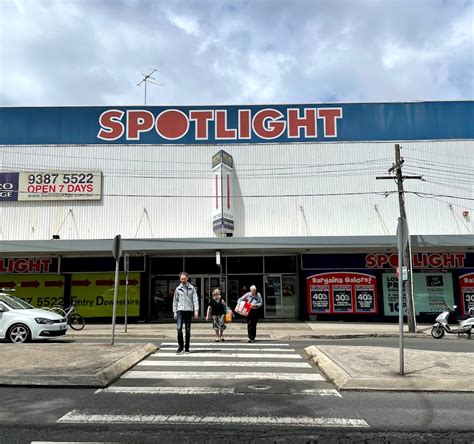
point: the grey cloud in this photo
(94, 52)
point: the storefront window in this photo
(162, 291)
(245, 264)
(237, 286)
(289, 297)
(202, 265)
(280, 264)
(167, 265)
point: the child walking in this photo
(217, 308)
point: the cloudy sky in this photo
(94, 52)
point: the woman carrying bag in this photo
(217, 309)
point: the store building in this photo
(284, 197)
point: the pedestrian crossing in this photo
(209, 378)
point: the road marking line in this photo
(316, 392)
(196, 354)
(228, 344)
(286, 350)
(78, 417)
(205, 391)
(171, 390)
(218, 363)
(141, 374)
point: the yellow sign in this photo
(93, 294)
(39, 290)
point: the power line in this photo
(176, 162)
(437, 154)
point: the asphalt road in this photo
(171, 398)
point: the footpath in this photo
(86, 358)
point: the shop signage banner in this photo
(52, 185)
(431, 292)
(8, 186)
(27, 265)
(39, 290)
(223, 214)
(33, 186)
(236, 124)
(419, 260)
(342, 293)
(93, 294)
(466, 288)
(386, 261)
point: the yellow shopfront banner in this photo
(39, 290)
(93, 294)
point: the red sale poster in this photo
(342, 293)
(466, 289)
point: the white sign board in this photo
(53, 185)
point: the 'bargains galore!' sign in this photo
(339, 293)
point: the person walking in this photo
(185, 302)
(255, 301)
(217, 309)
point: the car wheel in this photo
(18, 333)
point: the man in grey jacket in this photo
(185, 302)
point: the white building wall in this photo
(296, 189)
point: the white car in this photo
(21, 322)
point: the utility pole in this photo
(399, 178)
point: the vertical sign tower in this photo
(223, 217)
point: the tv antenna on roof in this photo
(148, 78)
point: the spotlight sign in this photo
(236, 124)
(51, 185)
(338, 293)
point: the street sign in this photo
(402, 234)
(117, 247)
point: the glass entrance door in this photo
(205, 285)
(273, 297)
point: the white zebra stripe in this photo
(195, 354)
(78, 417)
(219, 363)
(138, 374)
(316, 392)
(288, 350)
(170, 390)
(205, 391)
(229, 344)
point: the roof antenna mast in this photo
(148, 78)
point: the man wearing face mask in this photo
(185, 302)
(255, 301)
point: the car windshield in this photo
(14, 302)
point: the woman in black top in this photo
(217, 308)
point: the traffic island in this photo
(68, 365)
(377, 368)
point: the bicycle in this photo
(73, 318)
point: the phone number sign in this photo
(51, 185)
(338, 293)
